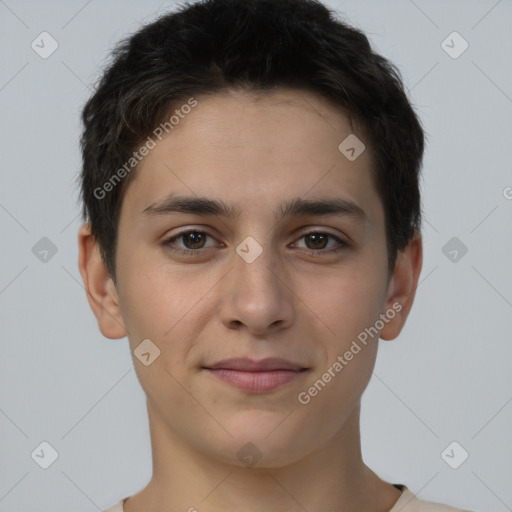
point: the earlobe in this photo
(100, 289)
(402, 288)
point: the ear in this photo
(100, 288)
(402, 287)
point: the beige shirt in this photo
(407, 502)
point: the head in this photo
(250, 109)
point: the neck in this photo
(332, 477)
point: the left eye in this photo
(320, 240)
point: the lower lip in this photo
(256, 382)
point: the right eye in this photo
(193, 241)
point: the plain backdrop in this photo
(446, 378)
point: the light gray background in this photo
(446, 378)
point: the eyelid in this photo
(314, 228)
(186, 231)
(339, 242)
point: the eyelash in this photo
(198, 252)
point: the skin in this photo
(253, 152)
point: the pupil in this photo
(316, 237)
(197, 237)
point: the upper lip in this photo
(251, 365)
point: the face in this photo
(282, 266)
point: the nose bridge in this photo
(257, 297)
(255, 265)
(254, 251)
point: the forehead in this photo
(257, 149)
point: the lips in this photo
(256, 376)
(250, 365)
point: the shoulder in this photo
(409, 502)
(118, 507)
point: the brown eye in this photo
(318, 242)
(189, 242)
(193, 239)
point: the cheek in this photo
(155, 296)
(168, 307)
(347, 307)
(345, 301)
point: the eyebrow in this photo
(205, 206)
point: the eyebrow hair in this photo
(205, 206)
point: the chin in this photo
(264, 439)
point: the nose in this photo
(257, 296)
